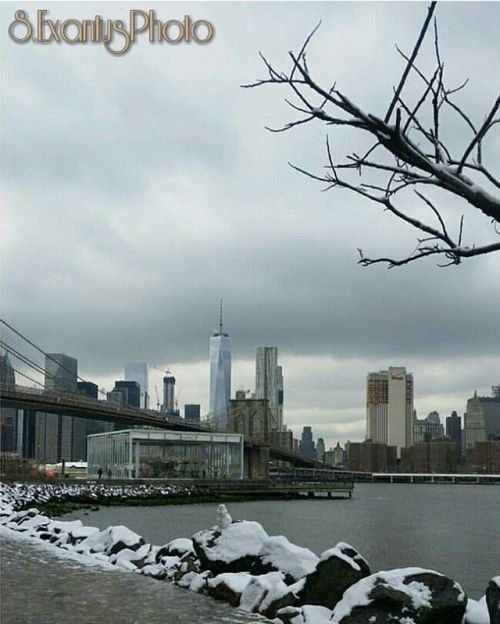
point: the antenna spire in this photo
(220, 318)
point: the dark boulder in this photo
(407, 595)
(229, 587)
(335, 572)
(493, 600)
(176, 548)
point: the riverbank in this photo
(57, 499)
(238, 562)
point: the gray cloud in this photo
(139, 190)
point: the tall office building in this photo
(57, 435)
(454, 428)
(8, 415)
(389, 408)
(88, 389)
(220, 377)
(169, 394)
(7, 376)
(61, 373)
(320, 450)
(192, 412)
(306, 444)
(269, 383)
(133, 392)
(482, 419)
(138, 371)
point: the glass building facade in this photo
(161, 454)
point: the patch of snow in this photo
(477, 611)
(236, 581)
(335, 551)
(262, 591)
(358, 594)
(287, 557)
(236, 541)
(103, 541)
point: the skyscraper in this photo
(454, 428)
(133, 392)
(269, 383)
(192, 412)
(306, 445)
(8, 415)
(220, 376)
(58, 435)
(482, 419)
(61, 372)
(389, 407)
(320, 450)
(138, 371)
(7, 376)
(169, 394)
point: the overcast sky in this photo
(137, 190)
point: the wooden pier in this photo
(281, 489)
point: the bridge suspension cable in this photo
(39, 369)
(34, 366)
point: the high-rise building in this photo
(138, 371)
(88, 389)
(192, 412)
(169, 394)
(220, 377)
(482, 419)
(269, 383)
(306, 445)
(320, 450)
(57, 435)
(389, 408)
(61, 373)
(26, 433)
(133, 392)
(8, 415)
(454, 428)
(7, 376)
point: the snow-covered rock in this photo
(493, 599)
(308, 614)
(232, 549)
(229, 586)
(175, 548)
(262, 592)
(130, 559)
(194, 581)
(338, 568)
(111, 541)
(154, 570)
(477, 612)
(279, 555)
(407, 596)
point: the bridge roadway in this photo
(80, 406)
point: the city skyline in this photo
(331, 437)
(135, 243)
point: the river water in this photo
(453, 529)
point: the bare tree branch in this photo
(421, 159)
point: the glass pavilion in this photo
(162, 454)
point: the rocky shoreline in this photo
(239, 563)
